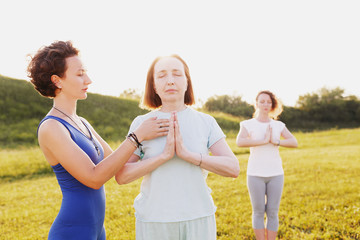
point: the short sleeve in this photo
(134, 125)
(243, 125)
(281, 126)
(215, 132)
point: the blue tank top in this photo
(82, 211)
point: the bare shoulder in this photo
(51, 129)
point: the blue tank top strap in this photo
(65, 123)
(83, 141)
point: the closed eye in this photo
(161, 74)
(81, 72)
(177, 73)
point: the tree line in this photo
(22, 108)
(323, 109)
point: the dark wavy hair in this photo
(151, 100)
(50, 60)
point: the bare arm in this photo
(243, 139)
(223, 161)
(135, 169)
(152, 124)
(288, 141)
(58, 147)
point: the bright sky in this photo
(231, 46)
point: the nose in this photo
(170, 80)
(87, 80)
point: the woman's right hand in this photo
(268, 135)
(169, 150)
(152, 128)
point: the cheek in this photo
(158, 86)
(184, 83)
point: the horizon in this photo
(198, 103)
(233, 48)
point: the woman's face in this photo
(75, 81)
(264, 103)
(169, 79)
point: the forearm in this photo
(247, 142)
(132, 171)
(227, 166)
(108, 167)
(289, 142)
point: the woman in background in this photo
(175, 201)
(81, 160)
(265, 175)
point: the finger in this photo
(175, 116)
(165, 124)
(151, 119)
(162, 121)
(161, 134)
(171, 126)
(163, 129)
(161, 126)
(177, 130)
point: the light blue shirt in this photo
(177, 190)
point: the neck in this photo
(173, 107)
(263, 117)
(67, 106)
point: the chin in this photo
(84, 96)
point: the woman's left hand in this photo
(180, 149)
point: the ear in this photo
(56, 80)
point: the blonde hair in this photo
(276, 105)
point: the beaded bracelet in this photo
(133, 138)
(132, 141)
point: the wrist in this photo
(134, 138)
(194, 158)
(201, 159)
(278, 143)
(139, 136)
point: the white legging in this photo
(271, 188)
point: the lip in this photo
(85, 89)
(170, 90)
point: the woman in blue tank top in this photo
(81, 160)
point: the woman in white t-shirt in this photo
(265, 175)
(175, 201)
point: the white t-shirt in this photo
(177, 190)
(264, 160)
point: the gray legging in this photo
(271, 188)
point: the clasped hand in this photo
(269, 138)
(174, 141)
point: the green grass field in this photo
(321, 197)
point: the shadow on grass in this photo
(41, 172)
